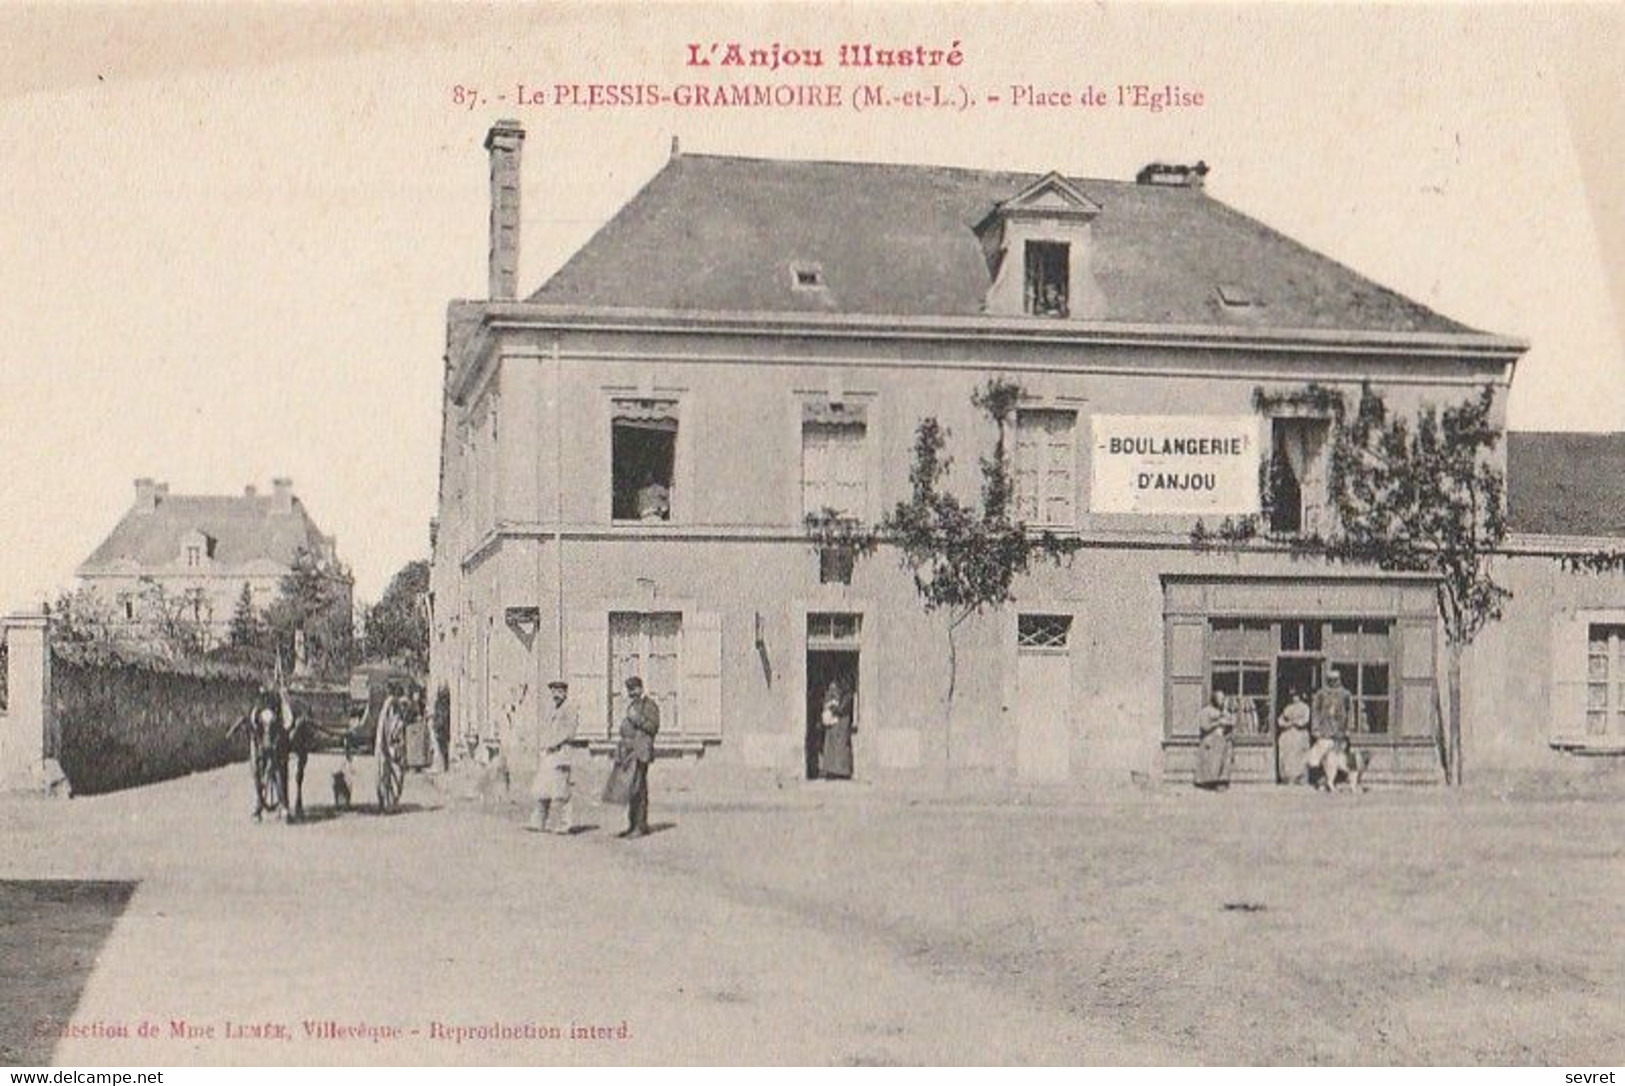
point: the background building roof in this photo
(243, 529)
(1566, 484)
(715, 233)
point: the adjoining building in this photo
(630, 454)
(201, 551)
(1547, 682)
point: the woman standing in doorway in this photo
(1214, 724)
(835, 760)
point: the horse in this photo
(277, 732)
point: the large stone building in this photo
(200, 551)
(630, 453)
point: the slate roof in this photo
(1566, 484)
(720, 234)
(244, 528)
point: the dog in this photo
(341, 790)
(1333, 762)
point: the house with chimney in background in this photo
(202, 550)
(631, 453)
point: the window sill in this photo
(664, 748)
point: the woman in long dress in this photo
(1292, 746)
(1214, 724)
(835, 759)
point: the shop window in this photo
(1046, 467)
(1362, 653)
(1605, 679)
(1048, 276)
(643, 451)
(648, 645)
(1298, 468)
(834, 479)
(1043, 632)
(1240, 669)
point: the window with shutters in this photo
(834, 475)
(1046, 467)
(648, 645)
(1605, 681)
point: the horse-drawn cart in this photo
(368, 715)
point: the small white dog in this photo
(1333, 761)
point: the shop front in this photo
(1259, 641)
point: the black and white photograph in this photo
(812, 535)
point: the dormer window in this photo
(1048, 276)
(194, 555)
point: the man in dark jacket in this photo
(638, 733)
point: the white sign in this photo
(1173, 464)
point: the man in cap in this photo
(552, 783)
(638, 731)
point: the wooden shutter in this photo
(814, 468)
(1567, 721)
(587, 656)
(1029, 453)
(702, 675)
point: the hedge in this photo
(125, 723)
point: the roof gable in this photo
(1050, 196)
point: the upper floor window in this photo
(643, 452)
(1046, 467)
(1048, 276)
(834, 479)
(1299, 452)
(194, 554)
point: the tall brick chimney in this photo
(504, 141)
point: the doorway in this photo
(826, 666)
(1043, 697)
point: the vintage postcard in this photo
(812, 534)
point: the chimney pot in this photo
(282, 491)
(1173, 175)
(250, 491)
(504, 142)
(146, 494)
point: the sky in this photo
(228, 234)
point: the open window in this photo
(643, 451)
(1299, 450)
(1048, 276)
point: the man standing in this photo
(552, 783)
(1333, 708)
(638, 733)
(1329, 717)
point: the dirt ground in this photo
(845, 925)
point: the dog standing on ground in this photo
(341, 790)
